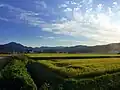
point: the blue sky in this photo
(59, 22)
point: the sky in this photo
(60, 22)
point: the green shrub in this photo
(16, 70)
(22, 58)
(105, 82)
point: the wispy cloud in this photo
(78, 18)
(21, 15)
(1, 5)
(39, 36)
(40, 4)
(31, 19)
(44, 4)
(46, 37)
(4, 19)
(67, 9)
(51, 37)
(99, 25)
(62, 6)
(78, 42)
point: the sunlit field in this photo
(77, 74)
(4, 55)
(68, 55)
(83, 68)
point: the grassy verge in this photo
(68, 55)
(98, 74)
(50, 80)
(105, 82)
(15, 76)
(82, 68)
(42, 74)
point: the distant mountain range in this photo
(16, 47)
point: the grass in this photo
(42, 74)
(83, 68)
(68, 55)
(76, 74)
(15, 76)
(2, 55)
(3, 62)
(105, 82)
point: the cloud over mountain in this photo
(97, 21)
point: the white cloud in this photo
(51, 37)
(74, 3)
(31, 19)
(90, 1)
(41, 3)
(99, 7)
(23, 16)
(46, 37)
(67, 2)
(12, 8)
(40, 36)
(78, 42)
(100, 26)
(87, 3)
(47, 29)
(62, 6)
(115, 3)
(44, 4)
(67, 10)
(63, 19)
(110, 11)
(1, 5)
(76, 9)
(4, 19)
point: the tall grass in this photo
(15, 71)
(106, 76)
(105, 82)
(68, 55)
(83, 68)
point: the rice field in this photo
(68, 55)
(83, 68)
(77, 74)
(2, 55)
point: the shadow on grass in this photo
(11, 84)
(95, 74)
(41, 74)
(72, 57)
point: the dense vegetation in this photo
(90, 74)
(83, 68)
(14, 75)
(105, 82)
(22, 73)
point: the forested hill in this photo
(16, 47)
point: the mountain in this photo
(16, 47)
(109, 48)
(12, 47)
